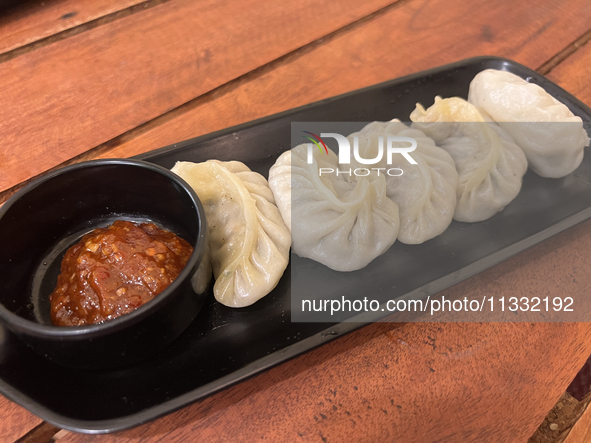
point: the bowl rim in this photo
(32, 328)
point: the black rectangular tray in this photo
(224, 346)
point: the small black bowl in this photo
(38, 225)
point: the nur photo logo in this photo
(387, 146)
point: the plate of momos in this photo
(471, 157)
(501, 165)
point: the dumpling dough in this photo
(248, 240)
(551, 136)
(340, 223)
(489, 164)
(426, 192)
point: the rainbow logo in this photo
(318, 139)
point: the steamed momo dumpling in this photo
(280, 179)
(489, 164)
(551, 136)
(248, 240)
(343, 224)
(426, 192)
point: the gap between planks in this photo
(565, 53)
(45, 430)
(208, 96)
(227, 87)
(92, 24)
(42, 433)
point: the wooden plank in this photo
(419, 382)
(16, 421)
(44, 433)
(407, 39)
(461, 380)
(581, 430)
(363, 350)
(33, 21)
(573, 74)
(67, 97)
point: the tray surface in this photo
(223, 345)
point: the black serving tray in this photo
(224, 346)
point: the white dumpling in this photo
(247, 238)
(551, 136)
(426, 192)
(280, 179)
(340, 223)
(490, 165)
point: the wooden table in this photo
(82, 80)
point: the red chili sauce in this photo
(114, 270)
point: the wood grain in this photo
(70, 96)
(565, 53)
(16, 421)
(416, 36)
(33, 21)
(581, 430)
(491, 382)
(573, 74)
(44, 433)
(417, 382)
